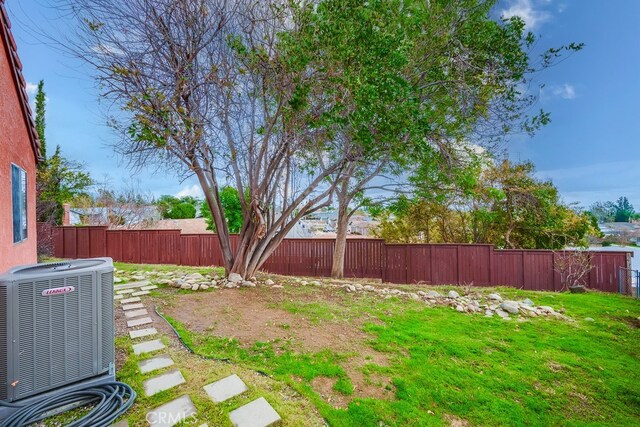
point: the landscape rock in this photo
(578, 289)
(185, 286)
(527, 302)
(248, 284)
(195, 287)
(589, 319)
(503, 314)
(510, 307)
(269, 282)
(453, 294)
(370, 288)
(494, 297)
(277, 287)
(234, 278)
(204, 287)
(433, 294)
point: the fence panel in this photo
(474, 264)
(507, 268)
(371, 258)
(538, 270)
(131, 246)
(190, 249)
(322, 250)
(169, 246)
(607, 270)
(396, 269)
(418, 266)
(444, 264)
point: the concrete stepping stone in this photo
(132, 306)
(131, 285)
(139, 333)
(172, 413)
(148, 288)
(125, 291)
(258, 413)
(118, 296)
(136, 313)
(163, 382)
(130, 300)
(139, 293)
(139, 322)
(148, 347)
(225, 388)
(123, 423)
(155, 363)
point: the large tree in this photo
(207, 88)
(285, 100)
(425, 76)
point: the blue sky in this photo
(590, 150)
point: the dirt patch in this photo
(554, 366)
(324, 387)
(254, 315)
(250, 316)
(456, 421)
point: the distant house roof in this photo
(18, 79)
(619, 227)
(100, 215)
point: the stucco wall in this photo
(15, 147)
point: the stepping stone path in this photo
(154, 364)
(139, 333)
(255, 414)
(226, 388)
(136, 313)
(148, 347)
(132, 306)
(163, 382)
(172, 413)
(140, 293)
(139, 322)
(258, 413)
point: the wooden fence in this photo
(480, 265)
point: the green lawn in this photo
(446, 367)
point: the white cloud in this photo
(532, 15)
(32, 88)
(565, 91)
(194, 191)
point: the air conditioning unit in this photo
(56, 329)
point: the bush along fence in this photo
(436, 264)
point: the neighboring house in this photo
(620, 228)
(19, 155)
(121, 216)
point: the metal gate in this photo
(629, 282)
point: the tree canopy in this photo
(501, 204)
(292, 102)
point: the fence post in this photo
(620, 274)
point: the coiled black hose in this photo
(110, 400)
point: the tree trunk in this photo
(337, 267)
